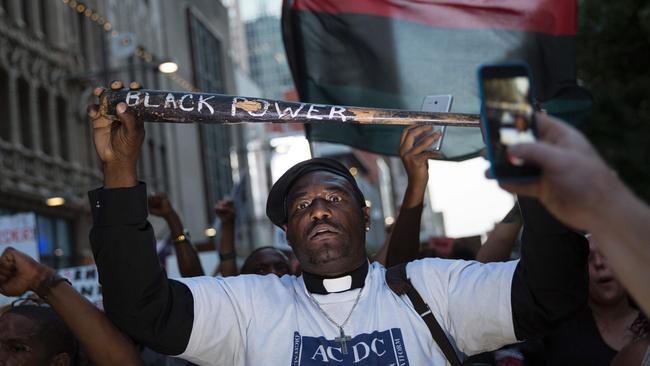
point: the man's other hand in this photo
(20, 273)
(225, 210)
(415, 157)
(575, 182)
(159, 205)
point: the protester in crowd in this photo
(598, 331)
(261, 261)
(189, 264)
(36, 335)
(266, 260)
(578, 188)
(277, 320)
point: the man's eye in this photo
(18, 348)
(335, 199)
(302, 205)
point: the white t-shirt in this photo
(266, 320)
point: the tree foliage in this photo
(613, 59)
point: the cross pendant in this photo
(343, 339)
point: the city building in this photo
(52, 54)
(266, 57)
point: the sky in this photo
(251, 9)
(471, 204)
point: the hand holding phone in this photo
(507, 117)
(435, 103)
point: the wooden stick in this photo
(182, 107)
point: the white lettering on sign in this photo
(337, 110)
(264, 109)
(288, 111)
(170, 101)
(146, 101)
(312, 109)
(180, 103)
(132, 98)
(203, 102)
(253, 107)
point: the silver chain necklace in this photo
(342, 338)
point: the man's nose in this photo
(320, 210)
(599, 260)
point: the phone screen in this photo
(508, 118)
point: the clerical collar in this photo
(324, 285)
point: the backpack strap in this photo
(401, 285)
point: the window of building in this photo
(89, 148)
(25, 113)
(153, 160)
(81, 28)
(44, 18)
(55, 243)
(62, 125)
(165, 168)
(45, 118)
(27, 14)
(207, 56)
(5, 126)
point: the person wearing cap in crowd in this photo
(340, 310)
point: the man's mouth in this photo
(322, 229)
(605, 279)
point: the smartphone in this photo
(507, 117)
(435, 103)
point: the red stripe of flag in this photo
(556, 17)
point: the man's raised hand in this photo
(159, 205)
(415, 158)
(20, 273)
(225, 210)
(117, 144)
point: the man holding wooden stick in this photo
(343, 309)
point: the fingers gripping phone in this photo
(507, 117)
(435, 103)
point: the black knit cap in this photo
(276, 205)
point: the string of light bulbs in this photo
(140, 52)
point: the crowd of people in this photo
(576, 294)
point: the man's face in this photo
(268, 261)
(20, 343)
(604, 288)
(326, 224)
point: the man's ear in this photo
(61, 359)
(284, 228)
